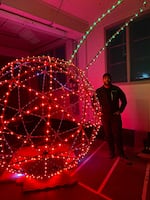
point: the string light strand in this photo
(116, 34)
(92, 27)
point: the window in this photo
(5, 59)
(59, 78)
(116, 56)
(58, 52)
(128, 55)
(140, 49)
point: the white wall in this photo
(137, 113)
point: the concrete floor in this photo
(98, 178)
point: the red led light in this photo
(46, 109)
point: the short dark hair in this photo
(107, 74)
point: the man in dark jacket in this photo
(113, 102)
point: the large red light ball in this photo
(47, 119)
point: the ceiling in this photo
(18, 39)
(27, 31)
(25, 38)
(27, 27)
(87, 10)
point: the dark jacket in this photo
(111, 99)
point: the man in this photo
(113, 102)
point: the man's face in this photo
(107, 80)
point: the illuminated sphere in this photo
(48, 119)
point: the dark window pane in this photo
(60, 52)
(140, 28)
(118, 72)
(140, 49)
(5, 59)
(141, 71)
(49, 53)
(116, 55)
(119, 39)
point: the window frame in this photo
(128, 50)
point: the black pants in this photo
(112, 125)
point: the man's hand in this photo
(116, 113)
